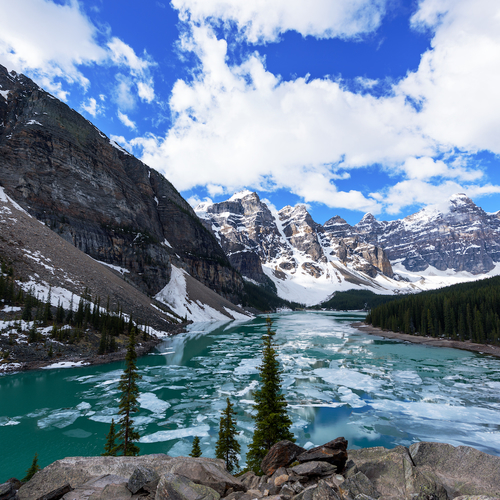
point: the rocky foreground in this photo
(424, 471)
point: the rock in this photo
(57, 493)
(333, 452)
(362, 496)
(476, 497)
(141, 477)
(7, 491)
(386, 469)
(325, 492)
(78, 470)
(307, 494)
(287, 490)
(208, 472)
(172, 487)
(249, 480)
(314, 469)
(281, 454)
(281, 479)
(360, 484)
(113, 492)
(462, 470)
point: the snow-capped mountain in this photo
(308, 262)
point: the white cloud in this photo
(458, 79)
(241, 126)
(265, 20)
(51, 42)
(126, 120)
(91, 107)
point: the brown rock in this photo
(333, 452)
(281, 454)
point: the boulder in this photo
(113, 492)
(281, 454)
(249, 480)
(78, 470)
(314, 469)
(386, 469)
(141, 477)
(333, 452)
(7, 491)
(207, 472)
(462, 470)
(359, 484)
(172, 487)
(324, 492)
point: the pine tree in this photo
(32, 470)
(272, 423)
(128, 402)
(110, 446)
(196, 450)
(227, 448)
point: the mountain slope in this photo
(69, 175)
(308, 262)
(305, 261)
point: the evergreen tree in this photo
(32, 470)
(110, 446)
(196, 450)
(272, 423)
(227, 448)
(128, 402)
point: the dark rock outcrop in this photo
(281, 454)
(333, 452)
(97, 196)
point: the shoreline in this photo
(430, 341)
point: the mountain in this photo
(308, 262)
(305, 262)
(67, 174)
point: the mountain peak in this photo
(244, 193)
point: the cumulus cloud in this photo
(51, 42)
(265, 20)
(241, 126)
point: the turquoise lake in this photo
(337, 381)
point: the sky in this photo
(348, 106)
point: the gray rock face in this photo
(208, 472)
(462, 469)
(462, 238)
(141, 477)
(172, 487)
(288, 242)
(110, 205)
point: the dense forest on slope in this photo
(355, 299)
(264, 299)
(467, 311)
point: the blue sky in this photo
(350, 106)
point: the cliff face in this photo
(461, 238)
(291, 249)
(110, 205)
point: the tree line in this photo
(467, 311)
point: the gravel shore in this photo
(431, 341)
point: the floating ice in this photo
(153, 403)
(59, 419)
(161, 436)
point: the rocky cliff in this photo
(308, 261)
(113, 207)
(460, 237)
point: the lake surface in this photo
(338, 382)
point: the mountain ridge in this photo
(431, 248)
